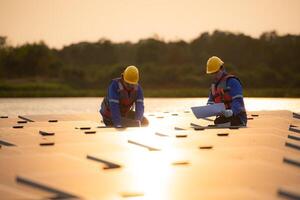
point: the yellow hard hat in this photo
(213, 64)
(131, 75)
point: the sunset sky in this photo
(62, 22)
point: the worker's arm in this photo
(139, 104)
(236, 92)
(210, 99)
(113, 98)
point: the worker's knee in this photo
(107, 121)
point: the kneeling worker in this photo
(117, 105)
(227, 89)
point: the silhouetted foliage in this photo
(270, 61)
(2, 41)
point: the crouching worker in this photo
(227, 89)
(117, 105)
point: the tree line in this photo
(270, 61)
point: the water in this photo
(24, 106)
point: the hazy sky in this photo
(61, 22)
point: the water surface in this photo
(24, 106)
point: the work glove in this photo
(118, 126)
(227, 113)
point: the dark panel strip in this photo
(222, 134)
(198, 127)
(18, 126)
(24, 118)
(205, 147)
(293, 137)
(296, 115)
(47, 144)
(287, 194)
(142, 145)
(161, 134)
(22, 122)
(179, 129)
(59, 194)
(292, 162)
(291, 145)
(89, 132)
(294, 129)
(44, 133)
(2, 142)
(108, 165)
(181, 136)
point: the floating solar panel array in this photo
(175, 157)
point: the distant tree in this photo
(2, 41)
(30, 60)
(270, 61)
(150, 51)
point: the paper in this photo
(209, 110)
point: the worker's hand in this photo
(227, 113)
(139, 123)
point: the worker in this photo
(227, 89)
(117, 106)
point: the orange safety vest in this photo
(220, 91)
(126, 100)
